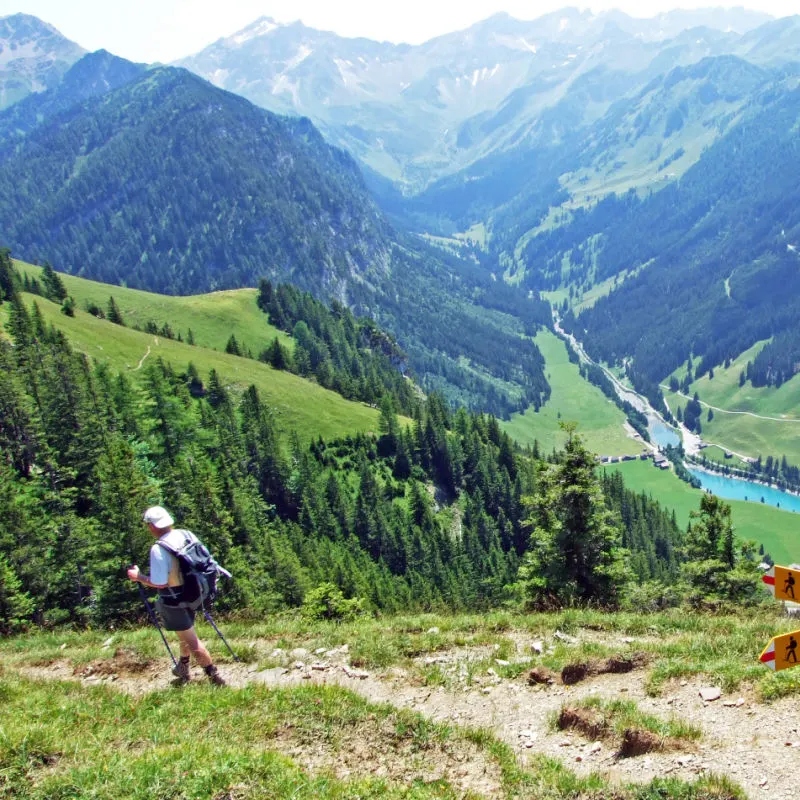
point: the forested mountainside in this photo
(95, 74)
(170, 184)
(85, 449)
(718, 250)
(682, 197)
(33, 57)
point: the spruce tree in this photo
(575, 553)
(16, 606)
(7, 276)
(113, 313)
(717, 567)
(232, 346)
(54, 288)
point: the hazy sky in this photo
(164, 30)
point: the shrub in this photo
(328, 602)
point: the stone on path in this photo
(564, 637)
(710, 693)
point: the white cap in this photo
(159, 517)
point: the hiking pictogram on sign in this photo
(783, 582)
(782, 651)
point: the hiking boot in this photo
(181, 671)
(214, 677)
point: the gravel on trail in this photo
(754, 744)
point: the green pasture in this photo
(717, 455)
(741, 432)
(745, 434)
(572, 399)
(778, 531)
(212, 318)
(298, 404)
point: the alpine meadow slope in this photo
(298, 405)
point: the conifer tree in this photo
(113, 314)
(575, 552)
(16, 606)
(388, 426)
(7, 276)
(232, 346)
(54, 288)
(717, 567)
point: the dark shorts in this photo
(175, 618)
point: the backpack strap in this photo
(177, 552)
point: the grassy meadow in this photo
(777, 530)
(298, 404)
(742, 433)
(212, 317)
(572, 399)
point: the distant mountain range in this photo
(416, 113)
(33, 57)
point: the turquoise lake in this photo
(661, 433)
(735, 489)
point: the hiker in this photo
(165, 575)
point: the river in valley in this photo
(663, 434)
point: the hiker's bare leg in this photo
(194, 646)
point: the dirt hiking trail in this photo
(754, 744)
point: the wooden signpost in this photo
(783, 652)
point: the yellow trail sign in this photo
(784, 583)
(782, 652)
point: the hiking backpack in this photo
(199, 571)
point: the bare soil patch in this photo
(123, 663)
(585, 720)
(633, 742)
(637, 742)
(541, 676)
(614, 665)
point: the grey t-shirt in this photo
(164, 567)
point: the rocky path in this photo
(756, 745)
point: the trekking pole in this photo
(154, 620)
(219, 633)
